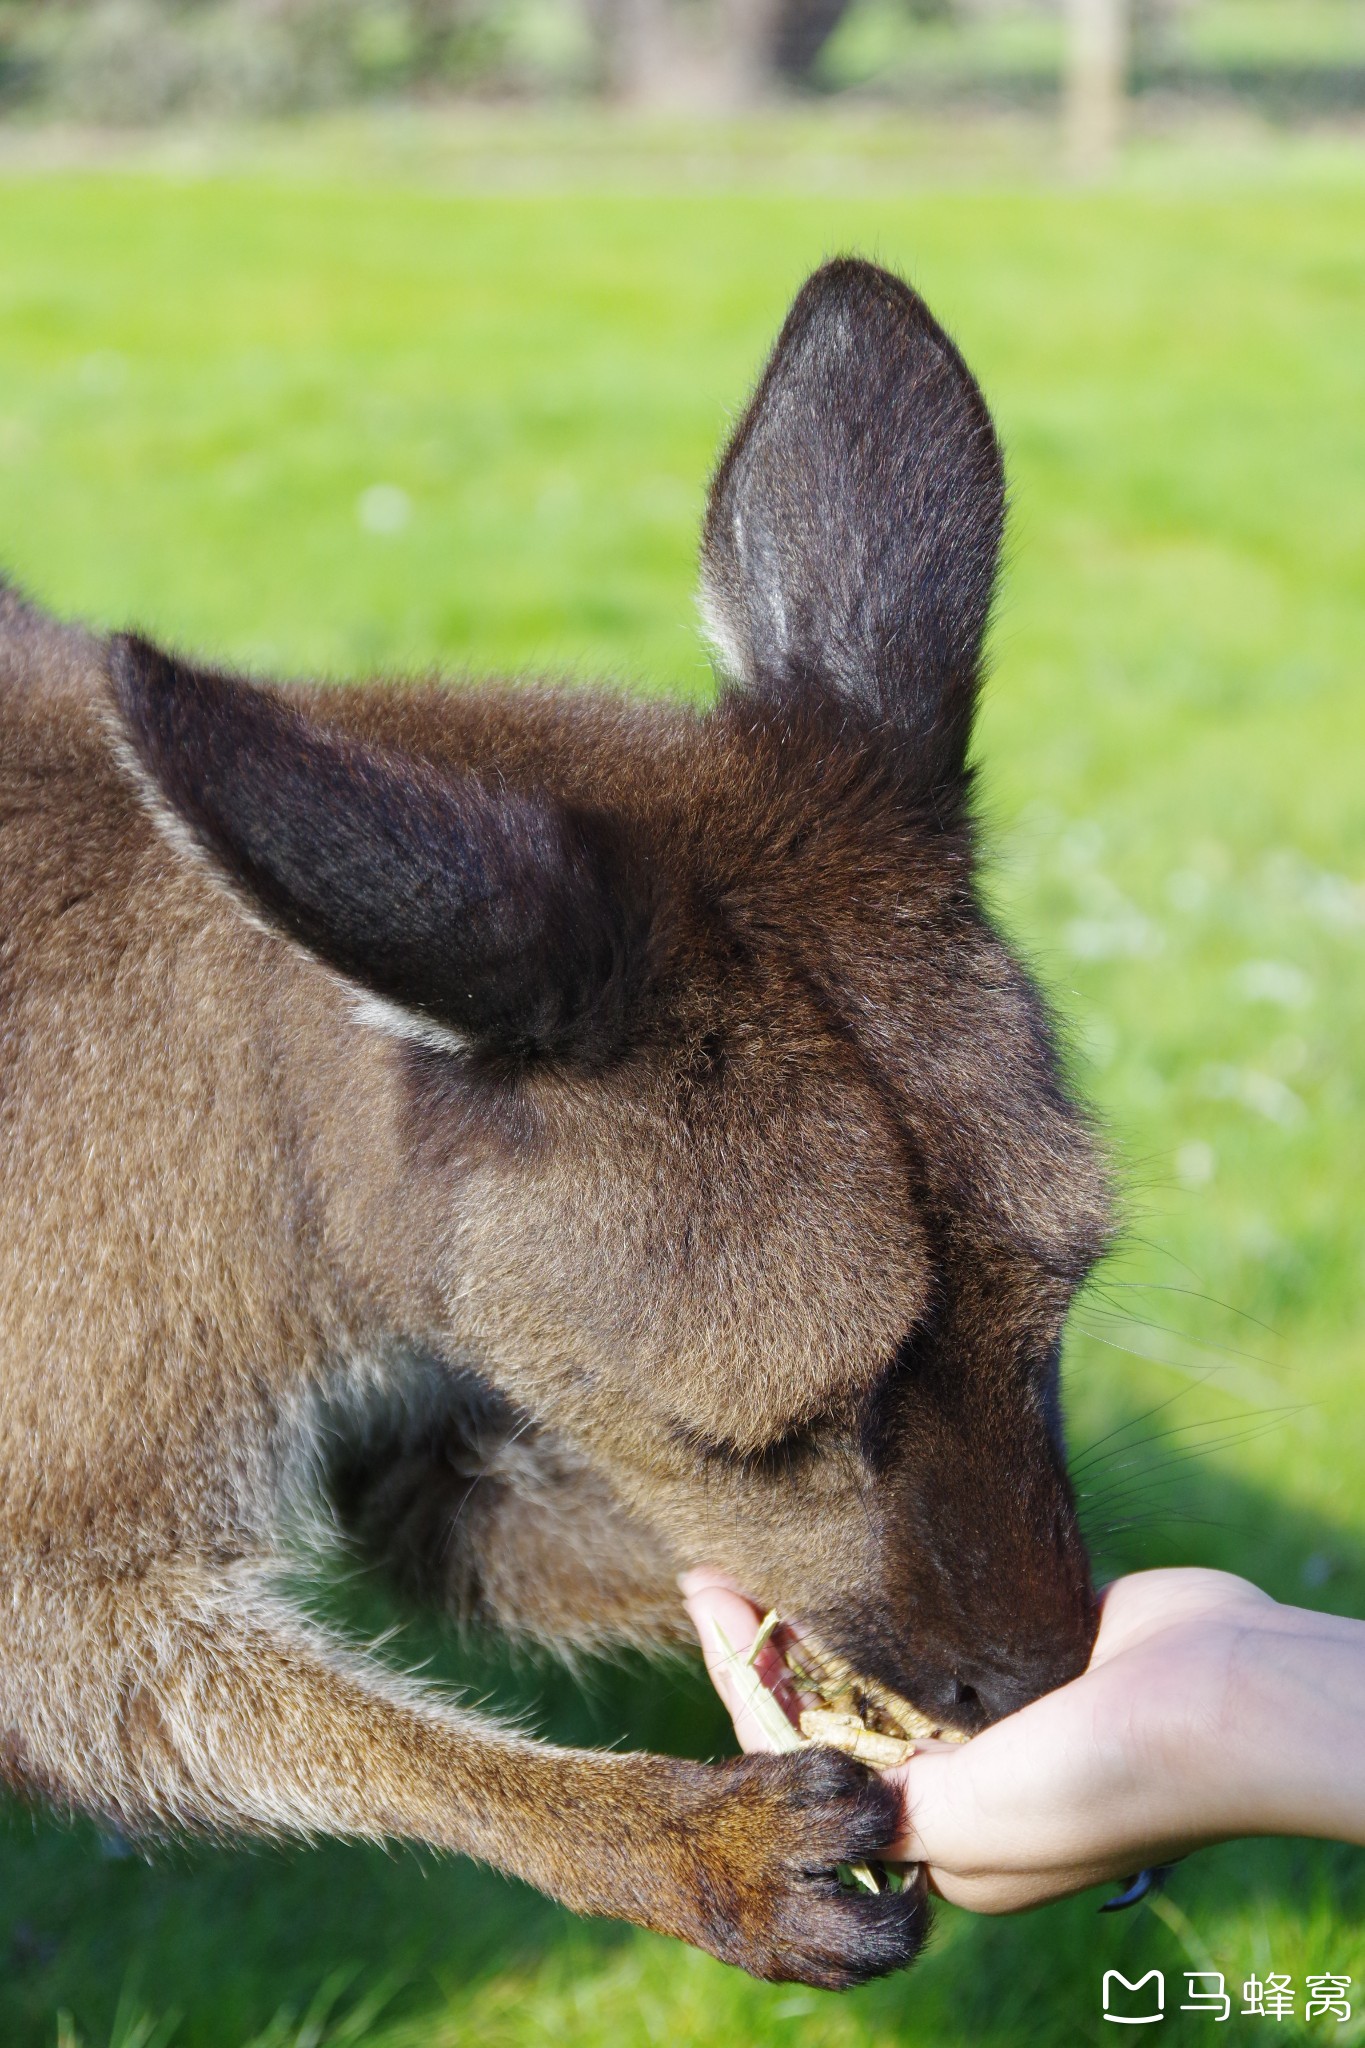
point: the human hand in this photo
(1207, 1711)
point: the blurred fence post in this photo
(1097, 65)
(748, 30)
(674, 54)
(636, 44)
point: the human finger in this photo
(727, 1626)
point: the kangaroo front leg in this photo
(210, 1704)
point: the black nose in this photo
(971, 1699)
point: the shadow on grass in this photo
(230, 1938)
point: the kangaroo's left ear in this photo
(854, 524)
(512, 923)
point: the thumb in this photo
(726, 1625)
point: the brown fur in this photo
(745, 1237)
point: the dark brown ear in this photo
(505, 920)
(854, 524)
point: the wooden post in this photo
(635, 42)
(1097, 65)
(747, 37)
(665, 54)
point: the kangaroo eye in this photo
(777, 1459)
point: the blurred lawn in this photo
(203, 379)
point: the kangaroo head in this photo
(731, 1136)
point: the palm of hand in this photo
(1102, 1776)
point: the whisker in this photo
(1172, 1461)
(1147, 1481)
(1104, 1549)
(1192, 1294)
(1163, 1251)
(1080, 1463)
(1151, 1356)
(1263, 1418)
(1121, 1316)
(1150, 1519)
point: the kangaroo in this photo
(580, 1138)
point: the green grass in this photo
(200, 375)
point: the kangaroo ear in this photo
(854, 523)
(505, 920)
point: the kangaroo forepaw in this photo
(766, 1872)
